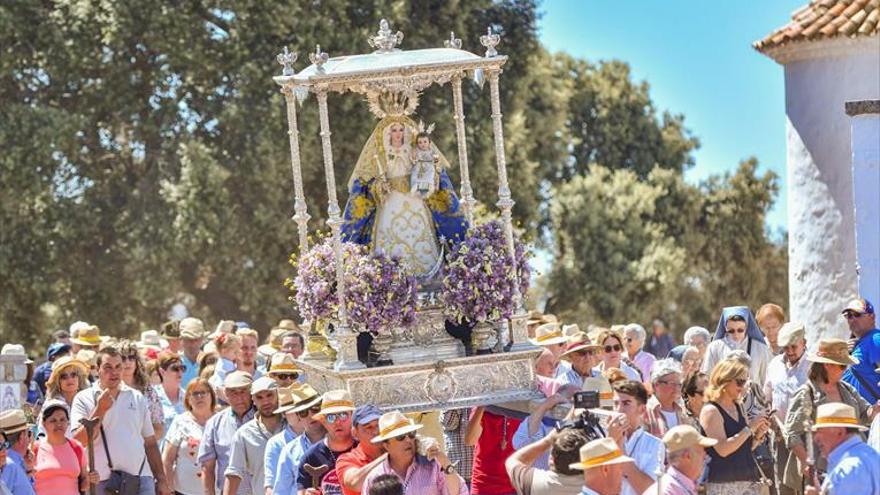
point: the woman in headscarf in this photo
(737, 329)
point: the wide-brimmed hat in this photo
(13, 421)
(392, 424)
(601, 452)
(274, 343)
(571, 330)
(76, 327)
(170, 330)
(578, 342)
(336, 401)
(790, 333)
(150, 340)
(64, 362)
(837, 415)
(89, 336)
(15, 350)
(685, 436)
(601, 385)
(548, 334)
(282, 362)
(191, 328)
(304, 397)
(285, 400)
(832, 351)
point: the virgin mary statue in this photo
(383, 213)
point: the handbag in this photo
(120, 482)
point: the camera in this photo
(586, 399)
(586, 421)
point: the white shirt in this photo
(670, 417)
(783, 381)
(644, 448)
(720, 348)
(186, 434)
(126, 423)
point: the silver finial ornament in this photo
(319, 58)
(384, 40)
(490, 40)
(286, 59)
(452, 42)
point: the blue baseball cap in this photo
(366, 414)
(860, 306)
(57, 348)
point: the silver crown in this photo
(385, 41)
(319, 58)
(286, 59)
(452, 42)
(490, 40)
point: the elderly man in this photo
(12, 476)
(306, 405)
(698, 337)
(738, 330)
(559, 479)
(686, 457)
(580, 353)
(663, 410)
(249, 443)
(860, 317)
(128, 442)
(431, 474)
(214, 449)
(630, 398)
(853, 467)
(786, 373)
(191, 332)
(634, 338)
(353, 467)
(335, 415)
(602, 463)
(17, 430)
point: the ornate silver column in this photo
(301, 215)
(505, 203)
(346, 354)
(467, 193)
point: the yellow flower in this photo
(361, 207)
(439, 201)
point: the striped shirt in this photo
(423, 477)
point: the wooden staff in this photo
(316, 473)
(90, 425)
(813, 478)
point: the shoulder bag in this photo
(120, 482)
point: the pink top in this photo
(57, 468)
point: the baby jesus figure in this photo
(423, 174)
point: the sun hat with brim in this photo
(548, 334)
(394, 423)
(832, 351)
(601, 385)
(274, 344)
(15, 350)
(13, 421)
(578, 342)
(837, 415)
(62, 363)
(304, 397)
(89, 336)
(282, 363)
(285, 400)
(685, 436)
(601, 452)
(790, 334)
(238, 379)
(336, 401)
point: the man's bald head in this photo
(546, 364)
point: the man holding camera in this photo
(564, 447)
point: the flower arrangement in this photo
(478, 282)
(379, 294)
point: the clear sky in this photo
(698, 60)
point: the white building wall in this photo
(866, 191)
(822, 254)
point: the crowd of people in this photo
(751, 408)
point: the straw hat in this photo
(790, 334)
(282, 362)
(76, 327)
(62, 363)
(13, 421)
(601, 452)
(603, 386)
(238, 379)
(548, 334)
(304, 396)
(289, 325)
(15, 350)
(392, 424)
(89, 336)
(832, 351)
(685, 436)
(274, 344)
(578, 342)
(87, 356)
(336, 401)
(571, 330)
(837, 415)
(191, 328)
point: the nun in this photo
(738, 330)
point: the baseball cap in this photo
(56, 349)
(860, 306)
(238, 379)
(366, 414)
(262, 384)
(685, 436)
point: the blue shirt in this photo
(273, 453)
(522, 438)
(15, 457)
(853, 468)
(15, 478)
(169, 410)
(190, 373)
(867, 351)
(42, 374)
(288, 465)
(572, 377)
(217, 440)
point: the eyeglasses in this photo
(199, 394)
(674, 384)
(65, 376)
(741, 381)
(584, 352)
(332, 418)
(129, 357)
(177, 368)
(403, 437)
(287, 376)
(736, 330)
(851, 315)
(4, 445)
(314, 410)
(609, 348)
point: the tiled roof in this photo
(824, 19)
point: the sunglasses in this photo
(332, 418)
(851, 315)
(199, 394)
(315, 410)
(65, 376)
(736, 330)
(5, 445)
(411, 435)
(741, 381)
(610, 348)
(177, 368)
(287, 376)
(584, 352)
(130, 357)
